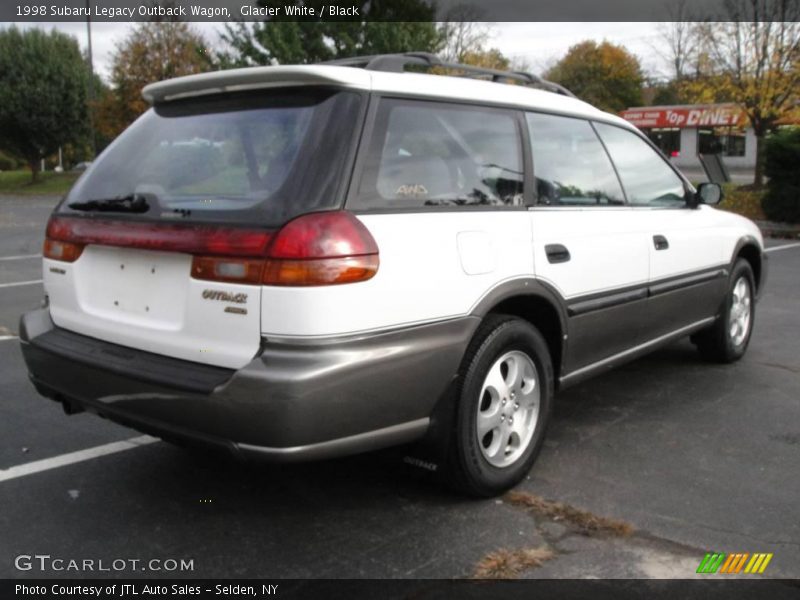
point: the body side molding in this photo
(600, 300)
(631, 353)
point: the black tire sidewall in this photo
(740, 269)
(507, 335)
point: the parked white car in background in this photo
(299, 262)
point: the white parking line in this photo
(4, 338)
(74, 457)
(19, 283)
(783, 247)
(20, 257)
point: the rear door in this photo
(687, 274)
(587, 243)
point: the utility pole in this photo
(91, 76)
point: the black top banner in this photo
(393, 10)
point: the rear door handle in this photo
(660, 242)
(556, 253)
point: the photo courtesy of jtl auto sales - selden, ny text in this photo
(400, 299)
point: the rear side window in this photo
(254, 158)
(425, 154)
(646, 176)
(570, 164)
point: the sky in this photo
(539, 44)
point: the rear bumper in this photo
(294, 401)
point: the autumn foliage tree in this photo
(152, 52)
(603, 74)
(490, 58)
(753, 59)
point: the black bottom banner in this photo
(388, 589)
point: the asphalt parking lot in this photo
(644, 471)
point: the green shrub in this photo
(782, 200)
(7, 163)
(743, 200)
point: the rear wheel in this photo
(503, 407)
(727, 340)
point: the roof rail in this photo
(397, 63)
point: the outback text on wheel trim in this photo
(301, 262)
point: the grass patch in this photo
(744, 200)
(50, 183)
(585, 522)
(507, 564)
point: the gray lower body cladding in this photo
(294, 401)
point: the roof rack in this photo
(397, 63)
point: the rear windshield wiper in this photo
(134, 203)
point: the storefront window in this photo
(727, 141)
(668, 140)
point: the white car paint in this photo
(147, 300)
(608, 245)
(420, 279)
(421, 85)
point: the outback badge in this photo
(224, 296)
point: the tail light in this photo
(321, 249)
(316, 249)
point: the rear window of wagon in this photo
(251, 158)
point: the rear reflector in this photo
(63, 251)
(232, 270)
(325, 248)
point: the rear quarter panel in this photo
(433, 266)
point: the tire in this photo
(506, 372)
(726, 341)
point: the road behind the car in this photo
(695, 457)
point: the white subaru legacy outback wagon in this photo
(301, 262)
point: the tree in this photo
(604, 74)
(392, 27)
(107, 122)
(153, 51)
(42, 93)
(680, 36)
(465, 38)
(488, 59)
(753, 59)
(782, 200)
(463, 32)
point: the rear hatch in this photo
(154, 246)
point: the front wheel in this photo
(726, 341)
(503, 407)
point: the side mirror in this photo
(708, 193)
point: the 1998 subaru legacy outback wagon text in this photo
(300, 262)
